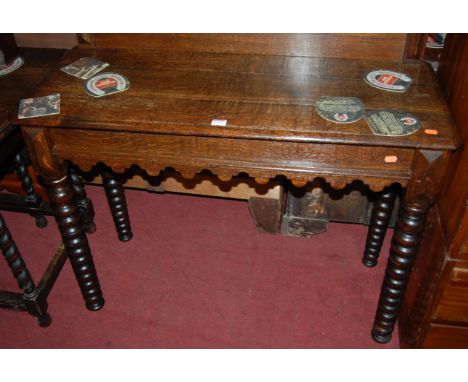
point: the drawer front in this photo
(256, 157)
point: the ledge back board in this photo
(377, 46)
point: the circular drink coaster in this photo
(391, 122)
(388, 80)
(106, 83)
(340, 109)
(12, 66)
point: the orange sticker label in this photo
(391, 159)
(431, 131)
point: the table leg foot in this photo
(96, 305)
(118, 205)
(68, 219)
(44, 320)
(379, 338)
(41, 221)
(405, 244)
(381, 214)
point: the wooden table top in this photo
(17, 84)
(260, 96)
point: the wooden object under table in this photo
(272, 130)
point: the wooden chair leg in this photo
(118, 205)
(381, 214)
(405, 245)
(61, 199)
(34, 304)
(84, 204)
(33, 199)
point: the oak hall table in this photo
(272, 130)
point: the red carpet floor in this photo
(197, 274)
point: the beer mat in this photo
(40, 106)
(388, 80)
(106, 83)
(340, 109)
(85, 67)
(391, 122)
(12, 66)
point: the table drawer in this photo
(256, 157)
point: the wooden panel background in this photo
(390, 46)
(47, 40)
(453, 76)
(435, 312)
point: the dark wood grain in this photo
(453, 75)
(404, 248)
(276, 102)
(118, 205)
(265, 87)
(20, 83)
(8, 48)
(267, 213)
(84, 204)
(377, 46)
(47, 40)
(415, 45)
(453, 305)
(74, 239)
(446, 336)
(383, 208)
(15, 261)
(434, 311)
(13, 87)
(32, 199)
(255, 63)
(229, 157)
(52, 272)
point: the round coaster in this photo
(391, 122)
(340, 109)
(388, 80)
(15, 64)
(106, 83)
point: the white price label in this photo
(218, 122)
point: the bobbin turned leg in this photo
(118, 205)
(60, 192)
(381, 214)
(33, 199)
(405, 243)
(84, 204)
(34, 304)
